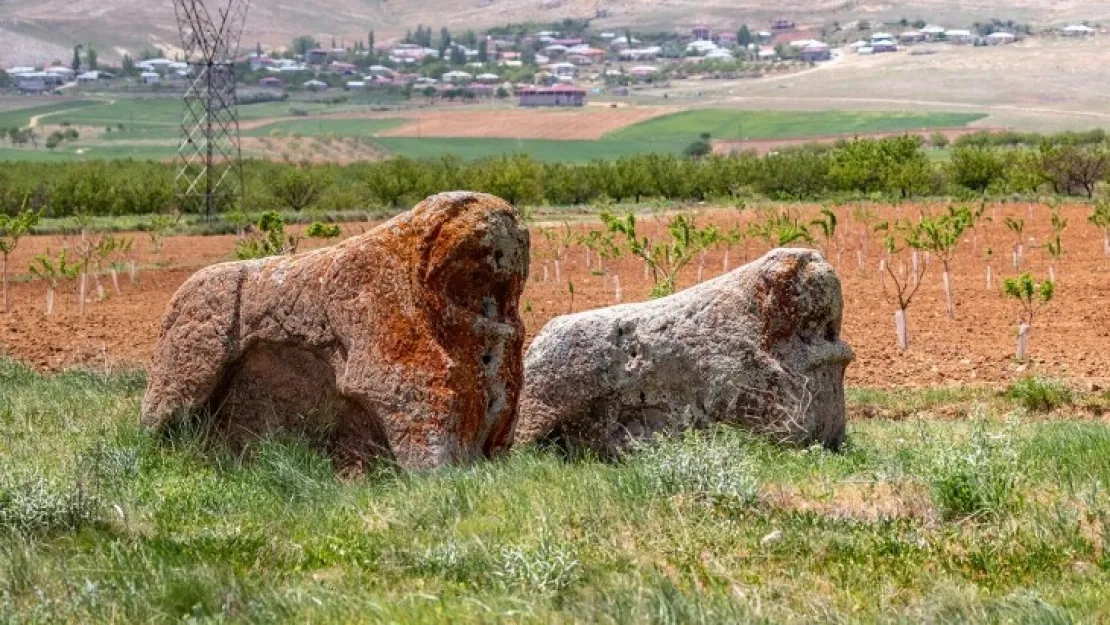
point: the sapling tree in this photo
(940, 236)
(1100, 217)
(1016, 225)
(1030, 295)
(826, 225)
(11, 230)
(903, 235)
(1055, 245)
(560, 242)
(47, 268)
(114, 251)
(711, 236)
(664, 260)
(158, 228)
(269, 240)
(727, 239)
(322, 232)
(600, 242)
(866, 219)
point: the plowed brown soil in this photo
(1070, 339)
(585, 124)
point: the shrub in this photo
(698, 463)
(978, 479)
(1039, 394)
(37, 505)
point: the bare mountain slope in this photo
(32, 29)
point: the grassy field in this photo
(735, 124)
(19, 117)
(996, 516)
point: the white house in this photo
(701, 47)
(958, 36)
(64, 73)
(1078, 30)
(458, 77)
(150, 78)
(1000, 38)
(932, 31)
(640, 54)
(154, 65)
(563, 69)
(91, 77)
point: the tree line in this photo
(891, 168)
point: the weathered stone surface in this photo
(404, 342)
(758, 347)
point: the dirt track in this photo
(1069, 339)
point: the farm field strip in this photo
(975, 348)
(110, 129)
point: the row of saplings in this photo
(89, 257)
(909, 245)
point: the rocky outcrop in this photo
(758, 347)
(404, 342)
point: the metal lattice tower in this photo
(210, 172)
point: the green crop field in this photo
(21, 117)
(731, 125)
(998, 517)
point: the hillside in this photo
(31, 30)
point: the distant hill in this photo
(37, 30)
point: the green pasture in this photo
(995, 516)
(734, 124)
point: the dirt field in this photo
(1069, 338)
(585, 124)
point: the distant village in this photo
(557, 67)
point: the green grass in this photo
(734, 124)
(992, 519)
(321, 127)
(21, 117)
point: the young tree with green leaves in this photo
(1055, 245)
(902, 236)
(560, 241)
(297, 187)
(1016, 226)
(1030, 295)
(1100, 217)
(11, 230)
(827, 224)
(52, 270)
(664, 260)
(940, 236)
(268, 240)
